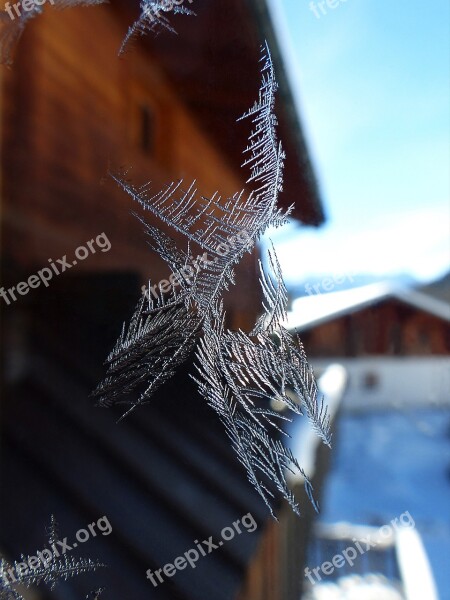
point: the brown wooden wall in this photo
(390, 328)
(71, 109)
(276, 571)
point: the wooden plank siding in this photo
(390, 328)
(71, 108)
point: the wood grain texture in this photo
(70, 111)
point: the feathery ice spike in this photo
(95, 595)
(238, 374)
(61, 567)
(152, 19)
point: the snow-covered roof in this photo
(315, 309)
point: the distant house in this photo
(395, 343)
(70, 109)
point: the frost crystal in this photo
(60, 567)
(239, 374)
(153, 18)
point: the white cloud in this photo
(416, 243)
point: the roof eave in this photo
(263, 16)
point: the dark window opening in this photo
(147, 130)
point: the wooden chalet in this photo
(374, 320)
(394, 343)
(70, 111)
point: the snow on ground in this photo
(387, 462)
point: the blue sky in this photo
(372, 81)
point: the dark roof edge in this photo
(262, 13)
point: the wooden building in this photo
(70, 111)
(373, 320)
(394, 344)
